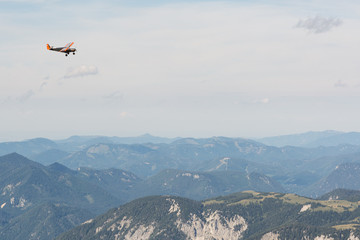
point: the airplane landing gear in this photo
(73, 53)
(66, 55)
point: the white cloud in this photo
(319, 24)
(125, 115)
(263, 101)
(81, 71)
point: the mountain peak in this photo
(146, 135)
(59, 168)
(16, 158)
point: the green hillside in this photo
(244, 215)
(44, 222)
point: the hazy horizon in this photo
(153, 135)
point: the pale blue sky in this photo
(179, 68)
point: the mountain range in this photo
(147, 159)
(67, 182)
(346, 175)
(245, 215)
(296, 168)
(40, 202)
(313, 139)
(202, 185)
(59, 198)
(33, 147)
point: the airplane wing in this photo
(67, 47)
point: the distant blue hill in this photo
(76, 143)
(313, 139)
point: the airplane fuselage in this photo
(67, 51)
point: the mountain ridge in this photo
(244, 215)
(313, 139)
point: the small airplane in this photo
(65, 49)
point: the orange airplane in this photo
(65, 49)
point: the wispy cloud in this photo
(81, 71)
(5, 100)
(114, 96)
(319, 24)
(340, 84)
(42, 86)
(262, 101)
(26, 96)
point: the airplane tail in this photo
(48, 46)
